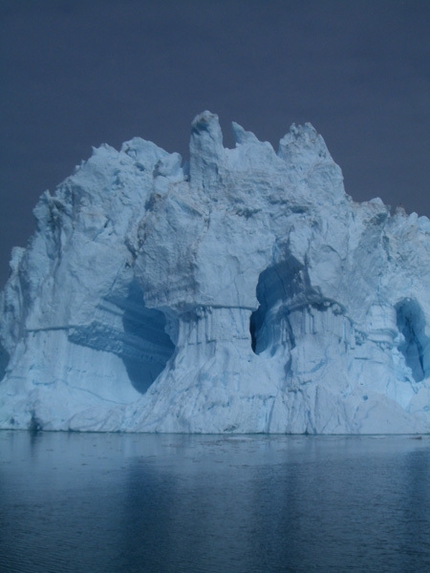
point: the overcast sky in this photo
(77, 73)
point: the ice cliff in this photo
(242, 292)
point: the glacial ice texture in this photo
(242, 292)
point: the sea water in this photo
(111, 503)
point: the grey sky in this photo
(76, 73)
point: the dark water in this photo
(102, 503)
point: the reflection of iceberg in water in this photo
(244, 292)
(213, 503)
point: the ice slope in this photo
(244, 292)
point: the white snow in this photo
(245, 292)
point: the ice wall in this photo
(244, 292)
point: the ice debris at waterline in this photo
(244, 292)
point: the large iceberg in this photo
(242, 292)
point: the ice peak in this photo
(206, 150)
(241, 136)
(303, 144)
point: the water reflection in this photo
(142, 503)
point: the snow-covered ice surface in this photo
(244, 292)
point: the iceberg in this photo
(243, 292)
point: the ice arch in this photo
(146, 346)
(416, 345)
(125, 327)
(279, 287)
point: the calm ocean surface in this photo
(102, 503)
